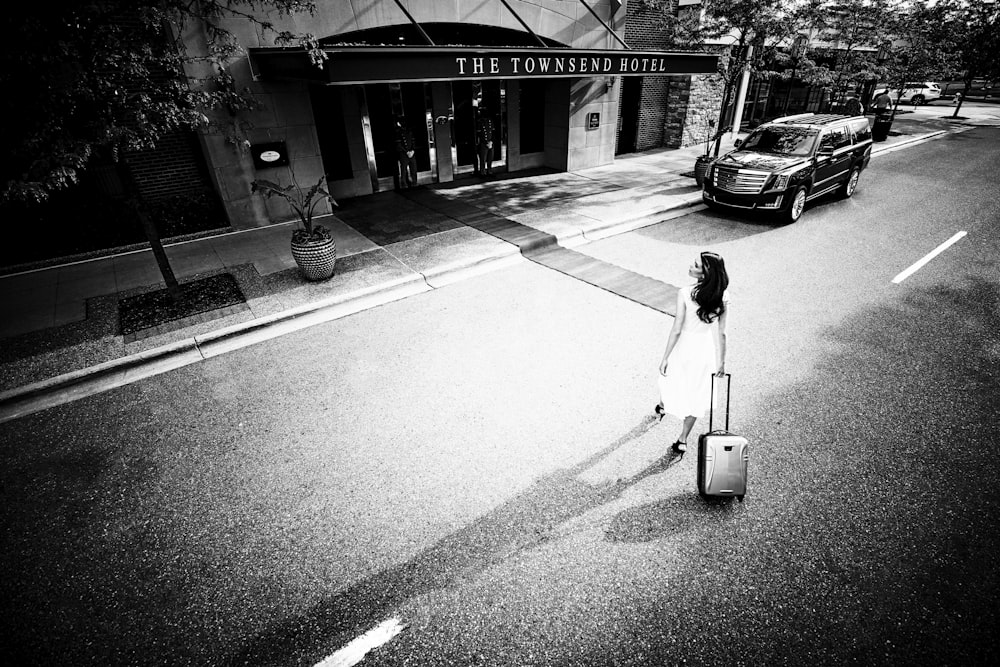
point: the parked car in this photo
(789, 161)
(980, 89)
(917, 92)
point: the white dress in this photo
(685, 391)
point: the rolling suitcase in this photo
(722, 456)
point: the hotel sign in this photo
(511, 66)
(372, 64)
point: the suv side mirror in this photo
(825, 150)
(737, 143)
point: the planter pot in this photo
(316, 259)
(701, 168)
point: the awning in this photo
(374, 64)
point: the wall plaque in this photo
(272, 154)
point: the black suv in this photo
(785, 163)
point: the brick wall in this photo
(678, 98)
(175, 166)
(643, 32)
(652, 113)
(703, 106)
(674, 111)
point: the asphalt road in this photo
(480, 463)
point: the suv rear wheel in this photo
(847, 189)
(917, 100)
(794, 210)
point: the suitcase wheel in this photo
(739, 498)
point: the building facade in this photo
(543, 77)
(667, 111)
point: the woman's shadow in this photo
(527, 520)
(667, 517)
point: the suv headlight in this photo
(781, 182)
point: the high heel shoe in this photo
(659, 410)
(680, 446)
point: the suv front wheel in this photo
(917, 100)
(794, 210)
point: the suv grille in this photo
(743, 181)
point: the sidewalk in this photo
(60, 330)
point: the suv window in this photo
(862, 130)
(836, 137)
(781, 140)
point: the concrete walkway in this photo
(60, 330)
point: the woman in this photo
(696, 346)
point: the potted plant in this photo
(702, 161)
(313, 246)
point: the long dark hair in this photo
(709, 290)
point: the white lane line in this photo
(356, 651)
(931, 255)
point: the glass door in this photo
(488, 98)
(415, 107)
(410, 103)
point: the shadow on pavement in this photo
(708, 227)
(391, 217)
(872, 494)
(520, 194)
(667, 517)
(523, 522)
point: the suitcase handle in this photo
(711, 405)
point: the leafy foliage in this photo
(89, 75)
(845, 36)
(847, 43)
(303, 202)
(975, 36)
(754, 29)
(923, 46)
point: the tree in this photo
(975, 36)
(853, 31)
(91, 76)
(922, 46)
(752, 30)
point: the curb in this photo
(685, 205)
(459, 271)
(78, 384)
(905, 143)
(84, 382)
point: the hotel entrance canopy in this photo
(375, 64)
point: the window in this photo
(781, 140)
(862, 130)
(836, 137)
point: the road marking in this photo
(931, 255)
(356, 651)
